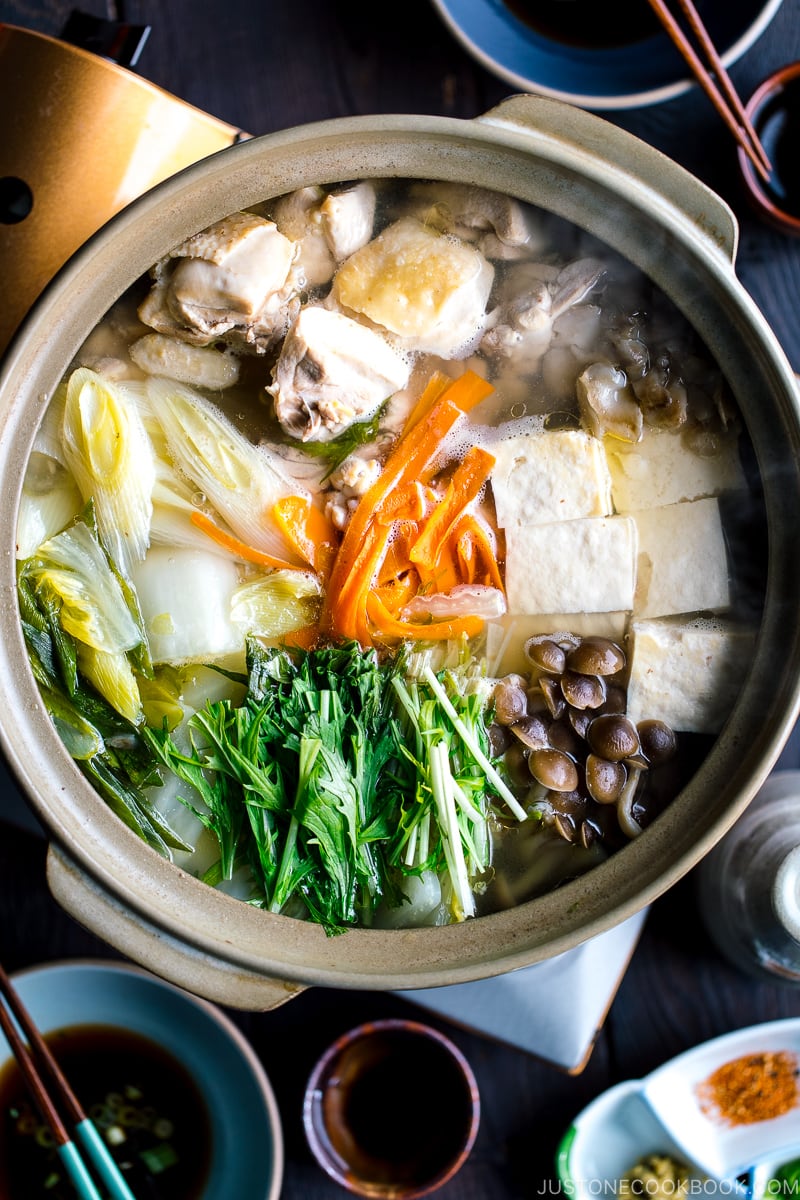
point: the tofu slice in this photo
(682, 561)
(686, 673)
(588, 565)
(659, 470)
(542, 477)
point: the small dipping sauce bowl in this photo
(774, 110)
(391, 1109)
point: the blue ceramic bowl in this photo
(246, 1151)
(642, 72)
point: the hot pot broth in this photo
(385, 556)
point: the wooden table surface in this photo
(265, 66)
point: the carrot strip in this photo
(466, 391)
(348, 617)
(308, 531)
(466, 483)
(398, 592)
(236, 547)
(396, 561)
(436, 386)
(406, 462)
(443, 574)
(363, 549)
(389, 626)
(403, 464)
(304, 639)
(475, 553)
(411, 502)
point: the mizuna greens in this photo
(336, 779)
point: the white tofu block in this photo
(542, 477)
(506, 636)
(686, 673)
(580, 566)
(660, 470)
(682, 564)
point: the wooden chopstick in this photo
(36, 1058)
(724, 97)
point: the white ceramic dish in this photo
(246, 1138)
(662, 1114)
(644, 72)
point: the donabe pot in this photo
(684, 238)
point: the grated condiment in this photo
(755, 1087)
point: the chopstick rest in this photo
(36, 1060)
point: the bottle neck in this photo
(786, 893)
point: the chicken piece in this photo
(297, 216)
(199, 366)
(499, 225)
(327, 228)
(427, 290)
(348, 218)
(607, 403)
(351, 480)
(522, 327)
(331, 373)
(233, 281)
(355, 475)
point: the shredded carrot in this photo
(436, 386)
(466, 391)
(308, 531)
(466, 483)
(396, 561)
(405, 463)
(475, 553)
(397, 593)
(348, 617)
(443, 574)
(389, 626)
(236, 547)
(410, 502)
(393, 515)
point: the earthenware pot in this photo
(669, 225)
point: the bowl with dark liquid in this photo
(392, 1110)
(171, 1085)
(774, 110)
(599, 56)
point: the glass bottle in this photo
(749, 884)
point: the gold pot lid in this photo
(83, 137)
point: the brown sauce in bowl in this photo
(143, 1102)
(587, 23)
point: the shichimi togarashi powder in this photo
(755, 1087)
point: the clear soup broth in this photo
(391, 554)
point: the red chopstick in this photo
(720, 91)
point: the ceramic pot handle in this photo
(103, 915)
(599, 144)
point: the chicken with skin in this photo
(234, 281)
(331, 373)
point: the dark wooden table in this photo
(265, 66)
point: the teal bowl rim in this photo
(159, 1026)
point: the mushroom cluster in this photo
(567, 743)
